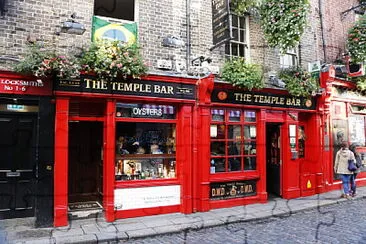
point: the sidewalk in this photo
(98, 231)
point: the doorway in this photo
(273, 158)
(17, 164)
(85, 165)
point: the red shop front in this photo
(255, 144)
(344, 109)
(124, 145)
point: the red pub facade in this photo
(167, 144)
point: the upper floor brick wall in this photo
(41, 19)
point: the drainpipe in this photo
(188, 30)
(322, 29)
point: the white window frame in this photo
(290, 58)
(246, 41)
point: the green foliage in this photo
(242, 74)
(40, 61)
(110, 59)
(360, 82)
(298, 82)
(356, 42)
(283, 22)
(241, 7)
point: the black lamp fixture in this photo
(72, 27)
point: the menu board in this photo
(356, 125)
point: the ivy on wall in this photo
(356, 42)
(283, 22)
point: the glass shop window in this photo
(233, 140)
(145, 150)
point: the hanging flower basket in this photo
(111, 59)
(40, 61)
(299, 82)
(242, 74)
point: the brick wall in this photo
(40, 20)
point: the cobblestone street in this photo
(339, 223)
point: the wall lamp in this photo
(72, 27)
(199, 60)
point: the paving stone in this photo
(130, 226)
(68, 232)
(140, 233)
(90, 229)
(76, 239)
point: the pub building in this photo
(344, 111)
(125, 145)
(255, 144)
(27, 114)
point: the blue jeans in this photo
(345, 181)
(353, 182)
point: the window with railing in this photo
(233, 140)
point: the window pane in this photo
(234, 115)
(301, 141)
(250, 116)
(242, 22)
(217, 114)
(250, 132)
(218, 164)
(250, 163)
(250, 148)
(235, 20)
(234, 148)
(242, 36)
(235, 34)
(234, 132)
(234, 164)
(234, 49)
(115, 9)
(241, 50)
(218, 148)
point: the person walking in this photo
(359, 166)
(341, 168)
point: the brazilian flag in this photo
(103, 29)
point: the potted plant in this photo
(242, 74)
(110, 59)
(298, 82)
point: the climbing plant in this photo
(283, 22)
(356, 42)
(241, 7)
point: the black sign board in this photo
(233, 189)
(220, 21)
(145, 88)
(262, 99)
